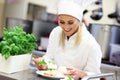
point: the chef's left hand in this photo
(75, 73)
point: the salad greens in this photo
(42, 63)
(16, 42)
(50, 65)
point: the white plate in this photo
(57, 76)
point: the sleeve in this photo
(51, 45)
(94, 60)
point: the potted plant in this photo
(15, 49)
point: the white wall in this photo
(40, 2)
(50, 4)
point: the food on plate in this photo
(62, 69)
(51, 65)
(42, 65)
(50, 73)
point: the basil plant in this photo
(16, 42)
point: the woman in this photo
(71, 45)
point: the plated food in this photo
(42, 64)
(49, 69)
(51, 74)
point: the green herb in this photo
(42, 63)
(50, 69)
(17, 42)
(69, 78)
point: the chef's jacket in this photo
(86, 56)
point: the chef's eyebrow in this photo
(67, 21)
(71, 21)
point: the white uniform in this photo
(86, 56)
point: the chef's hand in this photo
(40, 67)
(75, 73)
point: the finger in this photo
(40, 59)
(33, 58)
(69, 68)
(69, 72)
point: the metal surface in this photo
(99, 76)
(105, 34)
(6, 78)
(102, 35)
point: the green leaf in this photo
(42, 63)
(69, 78)
(17, 42)
(7, 55)
(6, 49)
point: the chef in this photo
(71, 44)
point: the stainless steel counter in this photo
(23, 75)
(30, 74)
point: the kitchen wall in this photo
(108, 6)
(16, 9)
(1, 17)
(36, 12)
(51, 5)
(19, 9)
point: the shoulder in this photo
(89, 40)
(56, 31)
(93, 46)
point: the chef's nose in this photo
(67, 27)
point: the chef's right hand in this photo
(40, 67)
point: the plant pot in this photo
(15, 63)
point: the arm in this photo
(94, 61)
(92, 65)
(50, 51)
(53, 40)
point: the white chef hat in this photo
(73, 8)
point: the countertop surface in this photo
(29, 74)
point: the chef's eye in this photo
(62, 22)
(70, 22)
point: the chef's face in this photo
(69, 24)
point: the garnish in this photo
(69, 78)
(42, 63)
